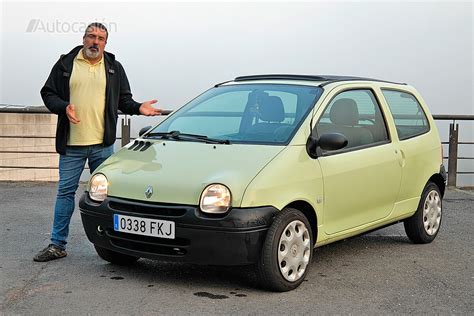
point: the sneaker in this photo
(50, 253)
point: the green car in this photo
(261, 169)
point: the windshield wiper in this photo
(163, 135)
(177, 135)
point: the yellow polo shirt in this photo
(87, 93)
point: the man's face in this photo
(94, 42)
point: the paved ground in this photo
(379, 273)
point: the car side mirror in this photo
(329, 141)
(332, 141)
(144, 130)
(311, 146)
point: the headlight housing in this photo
(98, 187)
(215, 199)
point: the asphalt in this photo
(377, 273)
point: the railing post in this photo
(453, 154)
(125, 131)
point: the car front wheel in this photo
(287, 252)
(424, 225)
(115, 257)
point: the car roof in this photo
(316, 80)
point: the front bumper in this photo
(234, 239)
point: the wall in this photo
(12, 124)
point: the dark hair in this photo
(99, 26)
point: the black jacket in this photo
(55, 94)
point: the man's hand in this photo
(71, 114)
(148, 110)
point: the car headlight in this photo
(98, 187)
(215, 199)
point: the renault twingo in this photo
(262, 169)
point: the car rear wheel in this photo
(287, 252)
(424, 225)
(115, 257)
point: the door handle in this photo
(401, 157)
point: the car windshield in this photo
(247, 113)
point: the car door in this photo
(362, 180)
(419, 144)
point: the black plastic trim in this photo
(234, 239)
(280, 77)
(329, 78)
(221, 83)
(359, 79)
(443, 173)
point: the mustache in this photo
(93, 47)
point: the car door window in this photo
(356, 114)
(410, 119)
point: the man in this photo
(85, 89)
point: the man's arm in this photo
(50, 93)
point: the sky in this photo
(173, 51)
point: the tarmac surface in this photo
(377, 273)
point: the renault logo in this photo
(149, 192)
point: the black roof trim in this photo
(357, 79)
(221, 83)
(328, 78)
(280, 77)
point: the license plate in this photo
(144, 226)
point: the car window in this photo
(356, 114)
(407, 113)
(250, 113)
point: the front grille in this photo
(141, 208)
(148, 239)
(160, 246)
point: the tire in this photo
(424, 225)
(115, 257)
(286, 253)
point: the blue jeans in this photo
(71, 166)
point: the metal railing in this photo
(453, 146)
(452, 158)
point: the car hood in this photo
(179, 171)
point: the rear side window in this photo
(409, 117)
